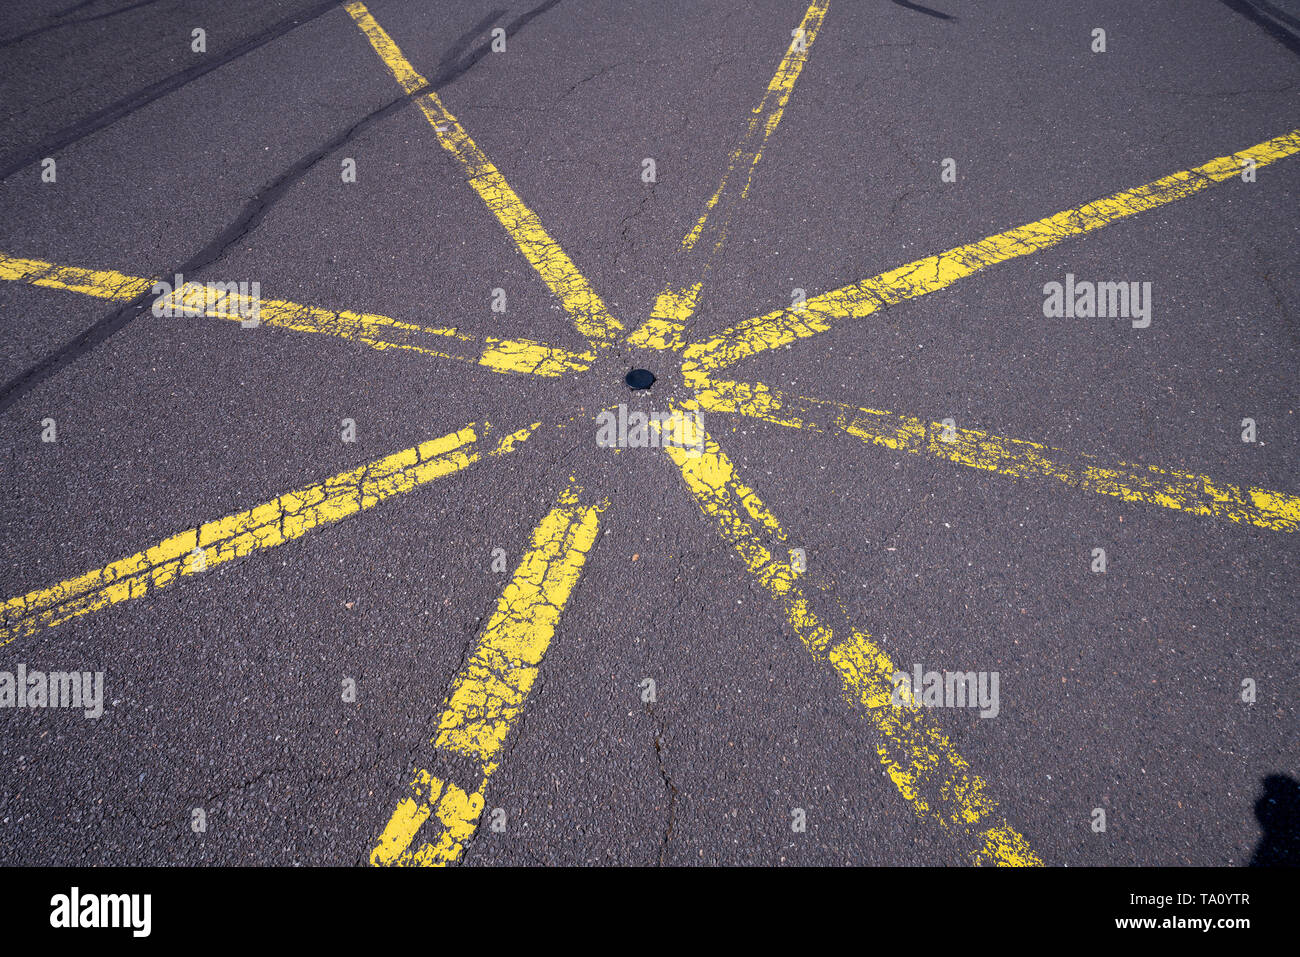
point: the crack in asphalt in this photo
(213, 802)
(647, 196)
(460, 770)
(671, 816)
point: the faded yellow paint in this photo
(1184, 492)
(762, 123)
(532, 358)
(283, 519)
(426, 793)
(917, 756)
(1004, 847)
(458, 813)
(488, 695)
(579, 299)
(377, 332)
(100, 283)
(665, 328)
(824, 312)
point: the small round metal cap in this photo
(640, 378)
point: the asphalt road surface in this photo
(356, 571)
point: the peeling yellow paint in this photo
(377, 332)
(488, 695)
(283, 519)
(665, 328)
(821, 313)
(916, 755)
(580, 300)
(1184, 492)
(100, 283)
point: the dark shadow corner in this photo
(1278, 813)
(1276, 22)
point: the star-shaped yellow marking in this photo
(444, 801)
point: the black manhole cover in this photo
(640, 378)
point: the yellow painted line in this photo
(1185, 492)
(280, 520)
(676, 304)
(824, 312)
(764, 121)
(583, 305)
(668, 320)
(918, 757)
(383, 333)
(100, 283)
(377, 332)
(489, 694)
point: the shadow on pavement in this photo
(926, 10)
(1278, 813)
(1279, 24)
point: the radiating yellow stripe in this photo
(280, 520)
(488, 695)
(668, 320)
(581, 302)
(823, 312)
(676, 304)
(764, 121)
(1184, 492)
(377, 332)
(917, 756)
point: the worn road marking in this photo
(918, 757)
(676, 304)
(377, 332)
(823, 312)
(1183, 491)
(280, 520)
(489, 694)
(100, 283)
(580, 300)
